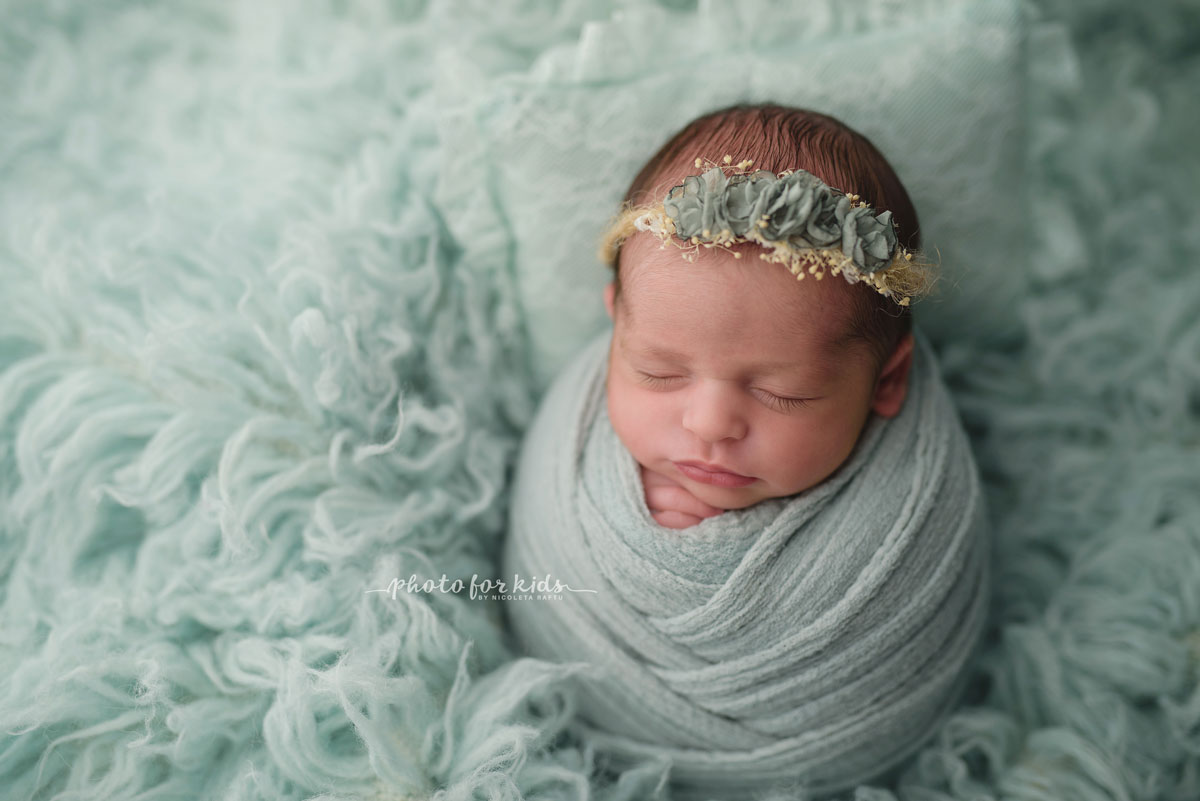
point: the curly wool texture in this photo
(260, 351)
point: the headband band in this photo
(797, 218)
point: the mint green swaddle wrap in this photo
(812, 640)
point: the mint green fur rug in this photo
(251, 370)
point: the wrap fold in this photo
(814, 640)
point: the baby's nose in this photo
(714, 411)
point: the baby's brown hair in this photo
(781, 138)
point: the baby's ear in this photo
(892, 384)
(608, 299)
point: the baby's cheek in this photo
(623, 422)
(819, 451)
(633, 418)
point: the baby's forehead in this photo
(803, 309)
(661, 328)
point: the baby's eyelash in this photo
(788, 403)
(653, 380)
(775, 400)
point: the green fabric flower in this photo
(746, 199)
(801, 208)
(867, 240)
(693, 205)
(802, 211)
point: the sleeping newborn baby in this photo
(731, 382)
(755, 486)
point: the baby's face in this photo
(736, 364)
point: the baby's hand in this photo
(671, 505)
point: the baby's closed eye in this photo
(772, 399)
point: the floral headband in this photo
(795, 216)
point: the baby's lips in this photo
(716, 478)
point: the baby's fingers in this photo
(650, 480)
(677, 498)
(673, 519)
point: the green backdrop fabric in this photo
(281, 284)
